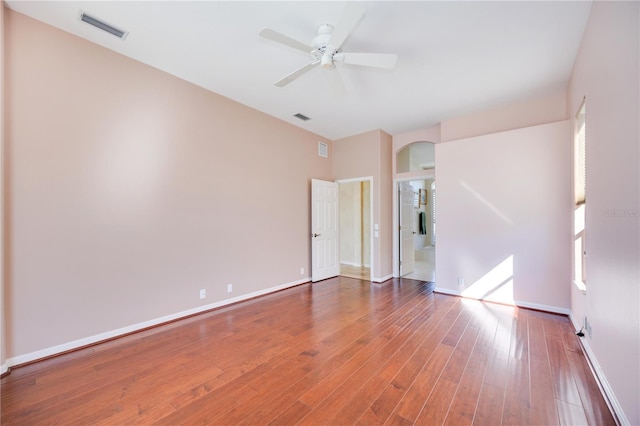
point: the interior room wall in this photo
(131, 190)
(503, 222)
(386, 153)
(545, 108)
(403, 160)
(606, 73)
(364, 155)
(3, 363)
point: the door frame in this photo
(372, 237)
(403, 263)
(403, 177)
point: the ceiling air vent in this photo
(103, 26)
(323, 149)
(301, 117)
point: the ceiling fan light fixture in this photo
(327, 59)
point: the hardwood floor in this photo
(341, 351)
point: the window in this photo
(580, 198)
(580, 168)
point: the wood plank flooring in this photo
(339, 352)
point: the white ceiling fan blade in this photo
(269, 34)
(378, 60)
(350, 17)
(297, 73)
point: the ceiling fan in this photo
(325, 49)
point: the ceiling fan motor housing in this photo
(321, 43)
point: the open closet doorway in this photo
(417, 229)
(416, 212)
(355, 228)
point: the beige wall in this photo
(607, 72)
(369, 154)
(531, 112)
(470, 149)
(3, 365)
(403, 160)
(132, 190)
(503, 216)
(386, 205)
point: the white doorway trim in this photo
(372, 237)
(403, 177)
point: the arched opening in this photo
(416, 157)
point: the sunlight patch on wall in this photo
(495, 285)
(486, 202)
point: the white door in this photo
(324, 230)
(406, 228)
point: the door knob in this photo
(316, 235)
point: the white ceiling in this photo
(454, 57)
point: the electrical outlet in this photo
(301, 271)
(229, 288)
(461, 283)
(203, 293)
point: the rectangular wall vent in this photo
(323, 149)
(103, 26)
(301, 117)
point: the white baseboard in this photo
(4, 368)
(381, 280)
(604, 385)
(447, 291)
(75, 344)
(546, 308)
(518, 303)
